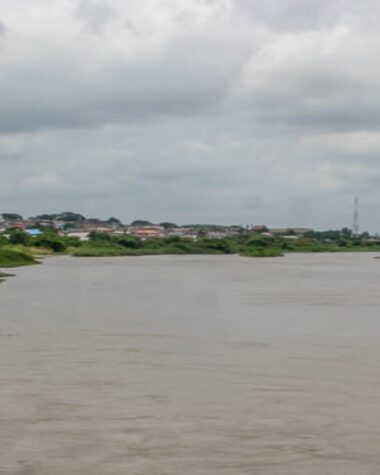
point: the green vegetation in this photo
(244, 243)
(11, 216)
(19, 248)
(168, 225)
(141, 222)
(101, 244)
(262, 253)
(11, 258)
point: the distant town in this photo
(24, 240)
(72, 224)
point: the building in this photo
(34, 232)
(145, 232)
(82, 236)
(259, 228)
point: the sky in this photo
(192, 111)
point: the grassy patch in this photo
(262, 253)
(97, 251)
(155, 248)
(9, 258)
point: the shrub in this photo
(50, 242)
(10, 258)
(19, 237)
(262, 253)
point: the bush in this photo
(50, 242)
(96, 236)
(220, 246)
(97, 251)
(10, 258)
(259, 242)
(19, 237)
(262, 253)
(129, 242)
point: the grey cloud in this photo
(293, 14)
(298, 15)
(316, 85)
(94, 13)
(229, 118)
(189, 77)
(2, 29)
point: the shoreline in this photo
(5, 275)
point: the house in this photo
(145, 232)
(82, 236)
(16, 224)
(259, 228)
(183, 232)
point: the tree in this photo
(16, 236)
(70, 216)
(46, 217)
(168, 225)
(11, 216)
(346, 232)
(97, 236)
(259, 242)
(114, 221)
(50, 242)
(141, 222)
(129, 242)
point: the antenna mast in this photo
(355, 221)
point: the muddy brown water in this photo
(191, 365)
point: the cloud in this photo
(223, 110)
(94, 14)
(95, 81)
(294, 15)
(44, 181)
(300, 15)
(307, 79)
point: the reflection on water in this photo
(191, 365)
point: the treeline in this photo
(244, 243)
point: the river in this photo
(171, 365)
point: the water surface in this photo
(191, 365)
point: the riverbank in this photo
(20, 249)
(10, 258)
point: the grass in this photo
(12, 255)
(29, 250)
(97, 251)
(10, 258)
(262, 253)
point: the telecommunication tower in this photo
(355, 221)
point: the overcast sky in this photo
(224, 111)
